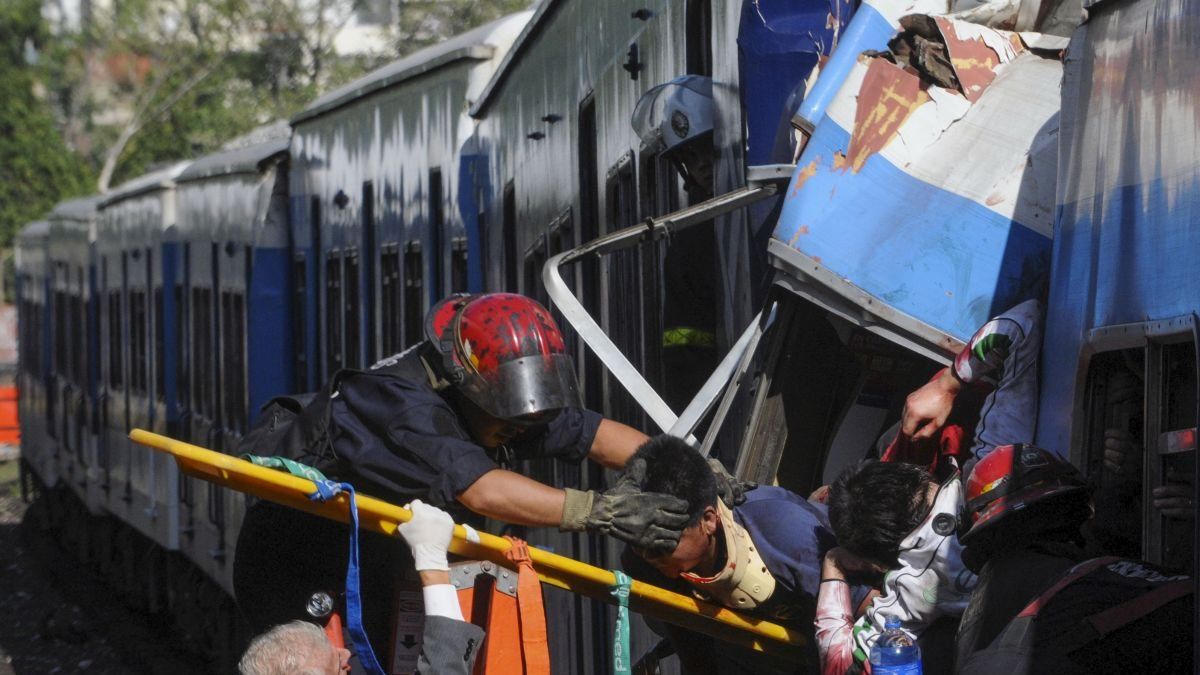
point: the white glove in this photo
(428, 534)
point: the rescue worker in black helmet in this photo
(439, 422)
(1048, 600)
(674, 121)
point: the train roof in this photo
(536, 23)
(250, 159)
(474, 44)
(35, 230)
(154, 180)
(81, 208)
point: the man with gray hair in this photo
(450, 643)
(296, 648)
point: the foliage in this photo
(426, 22)
(140, 83)
(36, 168)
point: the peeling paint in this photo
(975, 52)
(839, 161)
(803, 175)
(887, 98)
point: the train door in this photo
(205, 376)
(77, 404)
(139, 396)
(1138, 434)
(110, 384)
(232, 419)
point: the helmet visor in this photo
(525, 386)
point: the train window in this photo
(181, 379)
(116, 341)
(137, 342)
(333, 314)
(300, 319)
(535, 260)
(509, 234)
(437, 223)
(589, 229)
(59, 333)
(368, 268)
(160, 347)
(1145, 398)
(202, 350)
(83, 332)
(183, 333)
(233, 350)
(1173, 372)
(624, 320)
(699, 37)
(389, 280)
(458, 265)
(414, 285)
(353, 349)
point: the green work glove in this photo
(651, 521)
(731, 490)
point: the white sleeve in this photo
(442, 600)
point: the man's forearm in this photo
(513, 498)
(834, 625)
(615, 443)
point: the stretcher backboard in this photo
(380, 516)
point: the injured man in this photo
(762, 556)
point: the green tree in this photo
(426, 22)
(37, 170)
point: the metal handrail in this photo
(650, 229)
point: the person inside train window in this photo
(895, 525)
(449, 644)
(762, 556)
(1044, 597)
(674, 121)
(440, 422)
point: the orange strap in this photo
(534, 644)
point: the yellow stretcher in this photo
(556, 570)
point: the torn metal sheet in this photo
(932, 205)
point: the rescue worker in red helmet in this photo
(1045, 601)
(440, 422)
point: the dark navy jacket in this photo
(791, 534)
(396, 438)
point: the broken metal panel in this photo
(927, 208)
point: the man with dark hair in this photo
(762, 556)
(1044, 603)
(895, 523)
(898, 495)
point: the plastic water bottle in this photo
(895, 652)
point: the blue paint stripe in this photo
(269, 334)
(867, 30)
(930, 253)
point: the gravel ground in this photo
(56, 617)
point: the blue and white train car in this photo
(71, 240)
(226, 266)
(141, 486)
(374, 179)
(1121, 328)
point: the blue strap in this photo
(326, 490)
(622, 660)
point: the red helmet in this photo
(503, 352)
(1012, 477)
